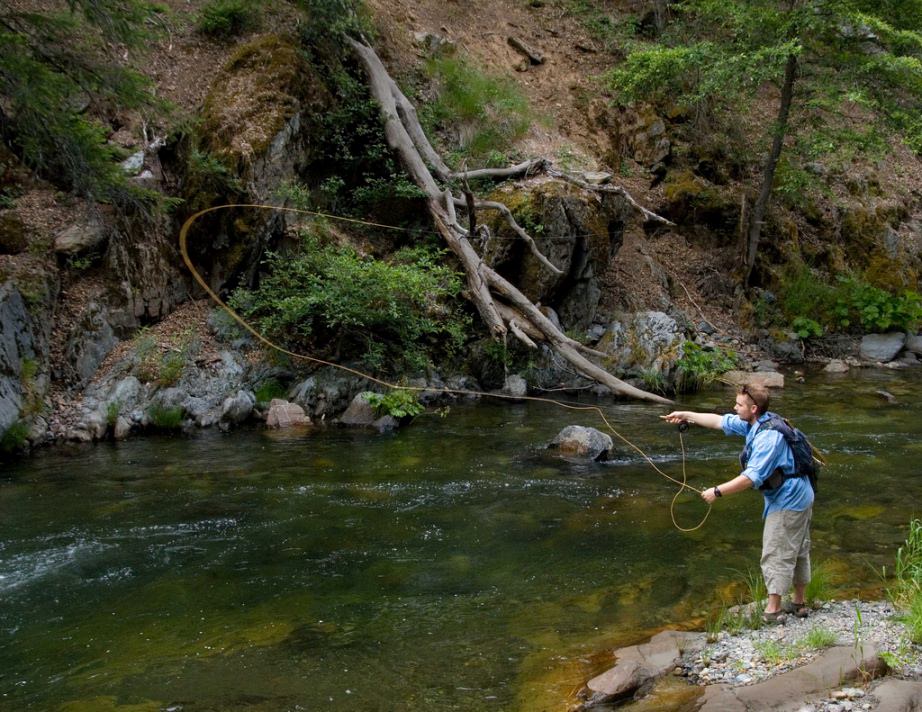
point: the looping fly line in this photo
(183, 248)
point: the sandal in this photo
(798, 610)
(776, 618)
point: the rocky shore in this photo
(845, 656)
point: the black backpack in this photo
(807, 462)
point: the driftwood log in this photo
(500, 304)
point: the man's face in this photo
(744, 407)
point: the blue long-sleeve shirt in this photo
(769, 452)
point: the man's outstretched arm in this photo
(705, 420)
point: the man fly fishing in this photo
(778, 460)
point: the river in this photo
(454, 565)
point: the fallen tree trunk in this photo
(500, 304)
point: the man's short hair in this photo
(757, 394)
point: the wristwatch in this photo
(717, 492)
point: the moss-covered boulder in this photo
(578, 231)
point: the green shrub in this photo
(806, 327)
(228, 18)
(392, 314)
(820, 587)
(165, 417)
(849, 304)
(397, 403)
(859, 304)
(15, 437)
(699, 366)
(485, 113)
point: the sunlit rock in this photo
(583, 442)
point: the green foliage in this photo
(366, 173)
(848, 304)
(908, 568)
(654, 380)
(820, 587)
(228, 18)
(398, 403)
(772, 651)
(153, 366)
(267, 390)
(392, 314)
(329, 22)
(859, 304)
(484, 113)
(60, 82)
(165, 417)
(805, 327)
(15, 438)
(906, 589)
(112, 412)
(698, 366)
(817, 638)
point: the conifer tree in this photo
(719, 53)
(63, 78)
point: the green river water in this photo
(454, 565)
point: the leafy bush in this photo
(228, 18)
(806, 327)
(874, 309)
(397, 403)
(849, 304)
(485, 113)
(15, 437)
(699, 366)
(393, 314)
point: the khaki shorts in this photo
(786, 550)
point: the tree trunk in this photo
(768, 170)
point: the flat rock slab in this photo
(787, 692)
(898, 696)
(639, 664)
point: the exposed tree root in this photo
(502, 306)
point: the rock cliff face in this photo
(24, 337)
(580, 233)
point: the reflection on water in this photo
(454, 565)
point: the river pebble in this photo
(750, 656)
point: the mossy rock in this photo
(889, 273)
(261, 87)
(693, 201)
(570, 227)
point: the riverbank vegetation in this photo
(325, 298)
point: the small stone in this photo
(839, 695)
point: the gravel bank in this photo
(750, 656)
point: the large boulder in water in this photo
(583, 442)
(283, 414)
(882, 347)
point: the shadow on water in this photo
(454, 565)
